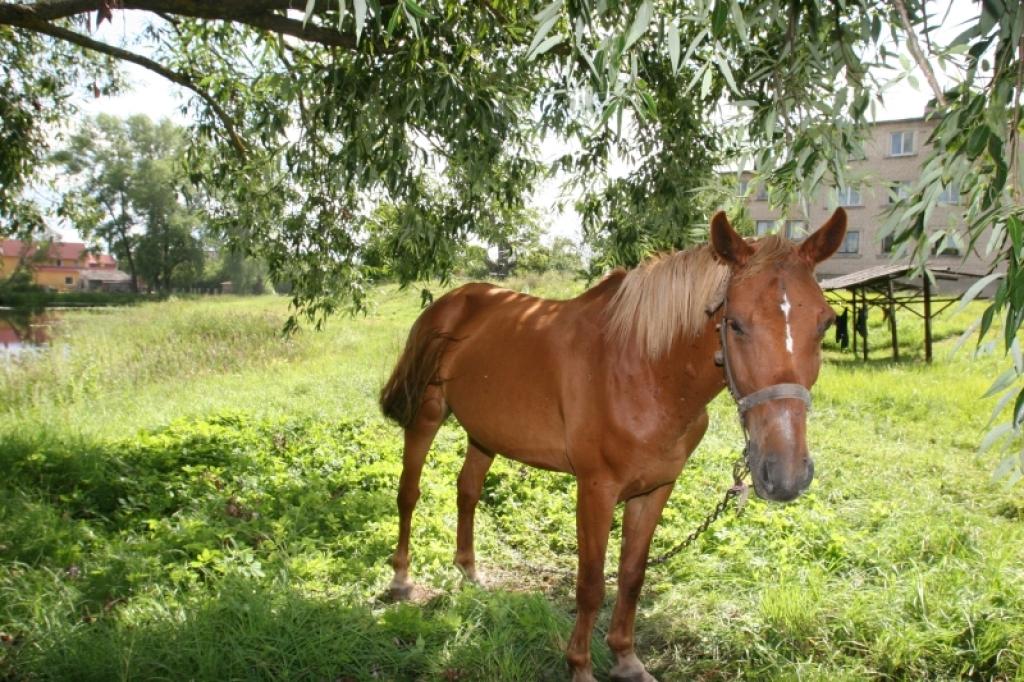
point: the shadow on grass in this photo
(202, 551)
(250, 632)
(196, 499)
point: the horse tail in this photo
(417, 368)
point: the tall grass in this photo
(106, 349)
(188, 495)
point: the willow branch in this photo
(916, 53)
(264, 14)
(124, 55)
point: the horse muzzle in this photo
(779, 478)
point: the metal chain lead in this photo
(739, 489)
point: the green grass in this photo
(187, 495)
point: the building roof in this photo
(104, 275)
(911, 119)
(76, 253)
(866, 276)
(881, 273)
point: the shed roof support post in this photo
(864, 304)
(853, 321)
(892, 323)
(927, 317)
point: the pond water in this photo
(23, 332)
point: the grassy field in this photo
(184, 494)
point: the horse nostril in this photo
(808, 473)
(766, 478)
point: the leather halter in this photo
(763, 395)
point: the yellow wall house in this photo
(60, 269)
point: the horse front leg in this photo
(595, 503)
(638, 524)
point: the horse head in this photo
(774, 319)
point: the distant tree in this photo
(562, 255)
(473, 262)
(388, 242)
(514, 240)
(169, 254)
(247, 275)
(129, 188)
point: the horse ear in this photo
(729, 246)
(826, 239)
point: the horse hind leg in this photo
(471, 483)
(418, 437)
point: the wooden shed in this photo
(888, 287)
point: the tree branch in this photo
(915, 51)
(33, 24)
(261, 14)
(317, 34)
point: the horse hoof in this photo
(639, 676)
(471, 575)
(630, 670)
(401, 592)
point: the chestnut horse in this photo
(612, 387)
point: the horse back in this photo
(510, 364)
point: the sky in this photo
(156, 97)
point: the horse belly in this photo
(509, 406)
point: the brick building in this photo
(65, 266)
(893, 158)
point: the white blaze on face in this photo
(789, 331)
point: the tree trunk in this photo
(165, 260)
(125, 239)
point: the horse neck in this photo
(690, 363)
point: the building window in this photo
(851, 243)
(887, 244)
(950, 194)
(764, 227)
(762, 193)
(741, 189)
(60, 263)
(796, 229)
(901, 143)
(848, 196)
(69, 281)
(898, 191)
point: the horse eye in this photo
(735, 326)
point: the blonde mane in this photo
(668, 295)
